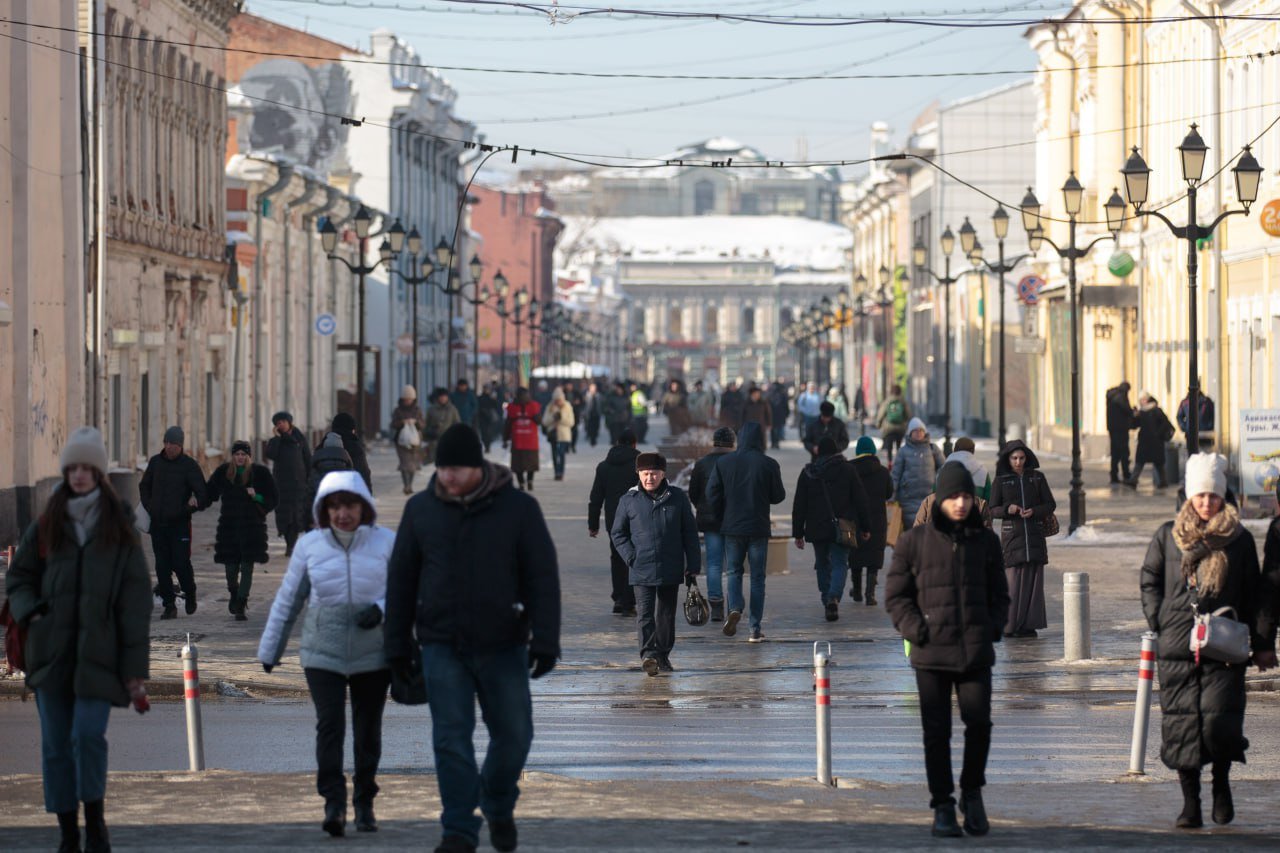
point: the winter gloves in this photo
(370, 617)
(540, 664)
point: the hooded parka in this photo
(615, 474)
(744, 484)
(1023, 538)
(703, 511)
(242, 523)
(828, 488)
(1152, 425)
(914, 470)
(345, 426)
(879, 489)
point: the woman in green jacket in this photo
(80, 583)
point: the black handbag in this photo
(846, 530)
(409, 687)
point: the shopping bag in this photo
(893, 515)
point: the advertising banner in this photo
(1259, 451)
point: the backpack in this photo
(895, 412)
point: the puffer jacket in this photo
(828, 487)
(947, 593)
(166, 486)
(335, 583)
(656, 536)
(703, 511)
(744, 484)
(915, 468)
(558, 420)
(242, 523)
(1023, 538)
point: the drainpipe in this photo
(286, 326)
(309, 229)
(286, 172)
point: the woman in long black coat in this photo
(1021, 500)
(868, 558)
(290, 460)
(248, 493)
(1154, 431)
(1203, 560)
(345, 426)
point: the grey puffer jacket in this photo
(915, 467)
(657, 536)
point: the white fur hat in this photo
(1206, 472)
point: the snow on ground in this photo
(1094, 535)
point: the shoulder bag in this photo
(846, 530)
(1219, 636)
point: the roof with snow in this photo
(720, 149)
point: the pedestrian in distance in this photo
(1204, 423)
(1119, 422)
(947, 596)
(484, 632)
(615, 408)
(352, 442)
(741, 488)
(840, 403)
(675, 405)
(465, 403)
(290, 459)
(578, 401)
(408, 425)
(521, 434)
(615, 476)
(829, 491)
(639, 411)
(1201, 561)
(702, 406)
(1022, 501)
(440, 415)
(591, 415)
(79, 584)
(248, 493)
(964, 451)
(892, 419)
(542, 394)
(172, 488)
(915, 470)
(708, 518)
(655, 533)
(1154, 432)
(338, 573)
(780, 406)
(328, 457)
(558, 421)
(489, 416)
(866, 560)
(732, 405)
(826, 425)
(809, 404)
(758, 410)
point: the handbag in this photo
(893, 523)
(697, 611)
(1050, 524)
(141, 518)
(410, 687)
(846, 530)
(1220, 637)
(409, 437)
(15, 641)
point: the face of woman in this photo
(82, 479)
(344, 511)
(1017, 460)
(918, 434)
(240, 458)
(1207, 505)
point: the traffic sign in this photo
(1029, 289)
(1028, 346)
(326, 325)
(1030, 322)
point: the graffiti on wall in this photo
(297, 112)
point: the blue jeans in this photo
(500, 680)
(715, 564)
(558, 450)
(831, 564)
(754, 551)
(73, 748)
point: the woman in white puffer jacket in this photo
(339, 571)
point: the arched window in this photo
(748, 320)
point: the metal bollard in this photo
(1075, 616)
(1142, 708)
(822, 705)
(191, 683)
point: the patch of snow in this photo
(1093, 535)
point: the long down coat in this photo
(242, 524)
(291, 469)
(1022, 538)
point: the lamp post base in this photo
(1077, 509)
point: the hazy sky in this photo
(828, 119)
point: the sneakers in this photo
(731, 623)
(833, 611)
(170, 612)
(502, 833)
(757, 636)
(650, 666)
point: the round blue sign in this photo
(326, 325)
(1029, 289)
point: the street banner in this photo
(1259, 451)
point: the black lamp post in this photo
(530, 307)
(481, 297)
(1248, 174)
(413, 242)
(501, 288)
(919, 255)
(885, 303)
(1073, 198)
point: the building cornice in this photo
(216, 12)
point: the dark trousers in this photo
(615, 430)
(640, 425)
(973, 694)
(172, 546)
(1157, 467)
(656, 619)
(1119, 455)
(777, 431)
(239, 582)
(368, 698)
(892, 441)
(623, 595)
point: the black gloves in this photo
(370, 617)
(267, 667)
(540, 664)
(690, 578)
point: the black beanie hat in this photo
(827, 408)
(237, 446)
(724, 437)
(827, 446)
(459, 447)
(953, 479)
(649, 461)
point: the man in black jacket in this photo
(948, 597)
(781, 406)
(826, 424)
(290, 459)
(740, 489)
(614, 477)
(708, 522)
(171, 489)
(615, 408)
(473, 577)
(828, 491)
(1119, 421)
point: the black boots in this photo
(96, 839)
(975, 813)
(944, 822)
(335, 818)
(870, 596)
(855, 583)
(365, 821)
(1224, 810)
(1190, 817)
(69, 824)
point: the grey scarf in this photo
(83, 511)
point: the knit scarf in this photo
(1204, 565)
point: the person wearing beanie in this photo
(615, 475)
(408, 426)
(1155, 431)
(914, 471)
(329, 456)
(1200, 562)
(290, 459)
(780, 409)
(78, 583)
(826, 424)
(1021, 501)
(441, 414)
(248, 493)
(964, 451)
(947, 595)
(655, 533)
(171, 489)
(722, 442)
(891, 419)
(345, 426)
(867, 558)
(473, 584)
(558, 422)
(520, 433)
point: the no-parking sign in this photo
(326, 325)
(1029, 289)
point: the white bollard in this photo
(822, 705)
(191, 683)
(1142, 707)
(1075, 616)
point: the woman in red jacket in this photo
(521, 434)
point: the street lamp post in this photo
(501, 288)
(1000, 224)
(480, 298)
(530, 306)
(412, 242)
(886, 304)
(1248, 174)
(919, 255)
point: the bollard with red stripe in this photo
(1142, 707)
(191, 683)
(822, 705)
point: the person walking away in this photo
(615, 408)
(345, 426)
(675, 405)
(827, 492)
(702, 406)
(339, 573)
(963, 451)
(839, 402)
(591, 404)
(558, 421)
(1021, 500)
(808, 404)
(248, 492)
(1119, 422)
(171, 489)
(1205, 421)
(542, 394)
(579, 404)
(489, 416)
(758, 410)
(615, 476)
(440, 415)
(866, 560)
(80, 586)
(826, 425)
(465, 403)
(740, 489)
(892, 419)
(708, 520)
(1154, 432)
(408, 425)
(655, 533)
(732, 404)
(859, 410)
(947, 597)
(290, 460)
(1201, 561)
(639, 412)
(484, 632)
(328, 457)
(915, 470)
(521, 434)
(780, 407)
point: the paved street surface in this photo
(712, 757)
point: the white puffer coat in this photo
(336, 584)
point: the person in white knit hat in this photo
(1200, 562)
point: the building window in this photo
(712, 321)
(144, 413)
(748, 321)
(786, 317)
(637, 324)
(704, 198)
(117, 418)
(675, 324)
(212, 414)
